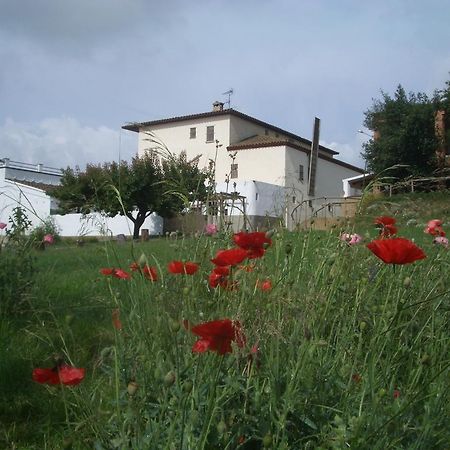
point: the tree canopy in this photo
(404, 127)
(135, 189)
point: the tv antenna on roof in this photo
(230, 92)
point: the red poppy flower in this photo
(434, 227)
(229, 257)
(265, 285)
(254, 253)
(116, 319)
(119, 273)
(250, 241)
(178, 267)
(396, 250)
(63, 374)
(150, 273)
(107, 271)
(134, 266)
(217, 336)
(388, 231)
(384, 220)
(218, 277)
(396, 393)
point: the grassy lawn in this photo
(343, 351)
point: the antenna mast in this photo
(230, 92)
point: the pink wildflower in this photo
(441, 240)
(211, 229)
(2, 225)
(434, 227)
(48, 239)
(351, 239)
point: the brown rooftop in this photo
(271, 141)
(136, 126)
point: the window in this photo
(234, 171)
(210, 134)
(301, 173)
(256, 196)
(293, 199)
(193, 133)
(266, 132)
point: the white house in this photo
(270, 166)
(25, 185)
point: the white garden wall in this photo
(97, 224)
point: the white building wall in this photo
(35, 202)
(266, 164)
(242, 129)
(298, 188)
(329, 178)
(97, 224)
(176, 137)
(261, 199)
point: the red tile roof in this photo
(136, 126)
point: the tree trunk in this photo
(138, 221)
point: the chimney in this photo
(376, 135)
(439, 130)
(218, 106)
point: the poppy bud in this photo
(132, 388)
(267, 441)
(288, 248)
(382, 392)
(362, 325)
(187, 386)
(426, 360)
(142, 261)
(174, 325)
(407, 282)
(270, 233)
(221, 427)
(69, 319)
(186, 290)
(169, 378)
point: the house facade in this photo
(266, 164)
(26, 185)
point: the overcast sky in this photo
(72, 72)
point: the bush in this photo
(47, 227)
(16, 263)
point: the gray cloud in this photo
(102, 63)
(62, 142)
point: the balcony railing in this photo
(6, 162)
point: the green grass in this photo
(338, 334)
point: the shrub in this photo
(47, 227)
(16, 263)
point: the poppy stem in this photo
(211, 404)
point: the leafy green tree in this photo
(135, 189)
(404, 134)
(184, 184)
